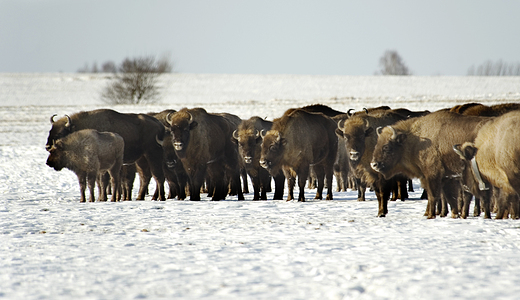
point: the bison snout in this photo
(265, 164)
(178, 146)
(354, 155)
(248, 159)
(377, 166)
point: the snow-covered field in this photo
(53, 247)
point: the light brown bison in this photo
(359, 137)
(493, 161)
(139, 131)
(423, 148)
(249, 141)
(203, 142)
(89, 154)
(297, 141)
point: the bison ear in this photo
(339, 132)
(193, 124)
(469, 150)
(369, 131)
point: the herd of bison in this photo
(459, 153)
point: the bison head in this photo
(181, 123)
(271, 150)
(248, 142)
(467, 153)
(388, 151)
(56, 157)
(354, 133)
(59, 129)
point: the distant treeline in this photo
(498, 68)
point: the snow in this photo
(53, 247)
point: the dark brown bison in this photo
(477, 109)
(249, 141)
(89, 154)
(341, 168)
(359, 137)
(422, 148)
(203, 142)
(172, 166)
(492, 161)
(297, 141)
(139, 131)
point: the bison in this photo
(492, 161)
(203, 142)
(297, 141)
(139, 131)
(359, 137)
(249, 141)
(422, 148)
(89, 154)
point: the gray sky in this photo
(322, 37)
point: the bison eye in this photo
(272, 148)
(386, 148)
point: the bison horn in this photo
(394, 133)
(190, 117)
(366, 110)
(69, 121)
(349, 114)
(341, 123)
(278, 136)
(160, 142)
(379, 130)
(169, 118)
(257, 134)
(235, 135)
(52, 118)
(262, 133)
(457, 150)
(367, 124)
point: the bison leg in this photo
(279, 184)
(144, 177)
(329, 187)
(91, 181)
(361, 188)
(451, 191)
(302, 180)
(255, 180)
(320, 178)
(433, 186)
(243, 174)
(383, 189)
(464, 206)
(82, 179)
(155, 161)
(291, 181)
(116, 182)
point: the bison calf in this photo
(90, 153)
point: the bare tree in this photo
(499, 68)
(108, 67)
(136, 81)
(391, 63)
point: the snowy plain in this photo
(53, 247)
